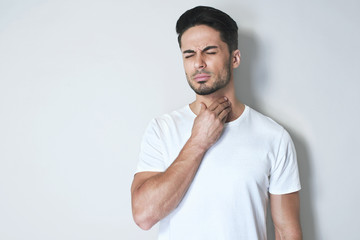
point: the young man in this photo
(208, 170)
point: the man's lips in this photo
(201, 77)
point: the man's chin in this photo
(204, 92)
(203, 89)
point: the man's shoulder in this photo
(175, 117)
(264, 122)
(183, 111)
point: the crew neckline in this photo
(237, 120)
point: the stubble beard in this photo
(221, 82)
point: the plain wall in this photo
(80, 80)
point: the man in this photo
(208, 170)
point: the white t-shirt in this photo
(229, 195)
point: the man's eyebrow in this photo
(188, 51)
(204, 50)
(209, 47)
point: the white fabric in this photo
(229, 194)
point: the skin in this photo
(285, 211)
(156, 194)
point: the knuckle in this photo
(210, 115)
(207, 113)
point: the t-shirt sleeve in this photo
(151, 150)
(284, 176)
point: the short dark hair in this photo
(211, 17)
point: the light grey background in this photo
(80, 80)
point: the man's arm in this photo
(285, 211)
(155, 194)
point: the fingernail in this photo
(225, 98)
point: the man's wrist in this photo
(198, 145)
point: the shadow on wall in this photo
(252, 72)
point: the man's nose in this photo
(199, 62)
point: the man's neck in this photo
(237, 108)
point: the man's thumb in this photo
(202, 107)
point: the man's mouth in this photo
(201, 77)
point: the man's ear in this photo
(236, 58)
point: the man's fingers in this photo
(224, 113)
(221, 107)
(215, 104)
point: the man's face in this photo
(206, 59)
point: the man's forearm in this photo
(157, 196)
(285, 210)
(294, 234)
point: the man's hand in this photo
(209, 124)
